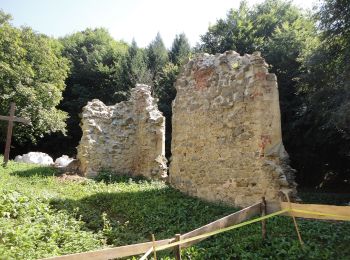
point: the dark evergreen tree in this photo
(157, 56)
(180, 49)
(135, 67)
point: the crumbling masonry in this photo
(226, 137)
(127, 138)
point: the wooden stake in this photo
(263, 222)
(177, 249)
(154, 247)
(295, 223)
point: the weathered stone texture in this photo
(226, 137)
(127, 138)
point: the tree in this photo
(135, 67)
(4, 17)
(96, 72)
(324, 118)
(157, 56)
(334, 17)
(32, 74)
(165, 77)
(236, 32)
(180, 49)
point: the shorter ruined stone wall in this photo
(226, 137)
(127, 138)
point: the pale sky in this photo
(125, 19)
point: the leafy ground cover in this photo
(43, 215)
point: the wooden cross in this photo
(12, 118)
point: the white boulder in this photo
(63, 161)
(35, 157)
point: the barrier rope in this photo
(221, 230)
(159, 248)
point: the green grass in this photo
(41, 216)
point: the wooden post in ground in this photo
(263, 222)
(10, 119)
(154, 247)
(177, 249)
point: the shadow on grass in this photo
(40, 171)
(109, 177)
(130, 217)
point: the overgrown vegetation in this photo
(41, 215)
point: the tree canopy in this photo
(157, 56)
(323, 120)
(180, 49)
(135, 68)
(32, 74)
(95, 61)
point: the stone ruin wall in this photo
(127, 138)
(226, 136)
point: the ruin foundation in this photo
(127, 138)
(226, 136)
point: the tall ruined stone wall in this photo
(226, 137)
(127, 138)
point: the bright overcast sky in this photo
(125, 19)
